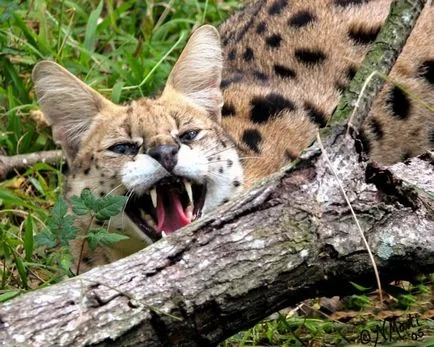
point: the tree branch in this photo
(22, 161)
(380, 59)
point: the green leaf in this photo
(359, 287)
(59, 209)
(92, 24)
(407, 299)
(9, 295)
(99, 236)
(66, 262)
(78, 206)
(28, 237)
(46, 238)
(109, 206)
(88, 199)
(117, 91)
(21, 270)
(68, 230)
(311, 326)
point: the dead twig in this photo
(22, 161)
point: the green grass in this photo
(125, 49)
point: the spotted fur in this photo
(304, 53)
(286, 64)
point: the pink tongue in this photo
(170, 217)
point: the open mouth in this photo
(169, 205)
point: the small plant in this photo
(61, 229)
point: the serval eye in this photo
(188, 135)
(125, 148)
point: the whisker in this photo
(111, 191)
(129, 195)
(218, 152)
(212, 148)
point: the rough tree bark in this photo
(22, 161)
(290, 237)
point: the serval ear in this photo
(68, 104)
(197, 74)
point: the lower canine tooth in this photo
(189, 212)
(148, 219)
(163, 233)
(153, 192)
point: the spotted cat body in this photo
(287, 64)
(221, 124)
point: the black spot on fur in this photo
(405, 156)
(344, 3)
(277, 7)
(399, 103)
(252, 138)
(309, 56)
(376, 128)
(283, 71)
(431, 137)
(87, 260)
(339, 86)
(259, 75)
(233, 79)
(426, 70)
(263, 108)
(232, 54)
(261, 28)
(230, 163)
(248, 54)
(362, 143)
(228, 109)
(86, 171)
(301, 19)
(221, 170)
(101, 194)
(210, 158)
(237, 183)
(273, 41)
(316, 116)
(249, 23)
(363, 36)
(351, 72)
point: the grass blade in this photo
(92, 24)
(28, 238)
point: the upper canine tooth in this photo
(153, 192)
(189, 191)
